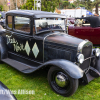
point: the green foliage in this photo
(49, 5)
(28, 5)
(77, 2)
(89, 5)
(1, 8)
(71, 6)
(81, 5)
(65, 4)
(46, 5)
(84, 3)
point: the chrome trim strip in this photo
(84, 60)
(82, 44)
(80, 48)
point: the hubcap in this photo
(61, 80)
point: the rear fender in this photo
(70, 68)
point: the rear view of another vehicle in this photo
(86, 28)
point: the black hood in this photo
(63, 38)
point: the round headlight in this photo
(80, 58)
(97, 52)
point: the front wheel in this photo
(61, 82)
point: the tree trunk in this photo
(96, 8)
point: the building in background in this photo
(74, 12)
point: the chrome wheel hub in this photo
(61, 80)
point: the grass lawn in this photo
(37, 81)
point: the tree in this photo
(89, 5)
(1, 8)
(71, 6)
(84, 3)
(49, 5)
(65, 4)
(96, 4)
(60, 4)
(81, 5)
(28, 5)
(77, 2)
(46, 5)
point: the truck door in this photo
(20, 39)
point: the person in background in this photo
(70, 16)
(98, 15)
(82, 15)
(95, 14)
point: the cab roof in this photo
(35, 13)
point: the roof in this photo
(34, 13)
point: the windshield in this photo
(45, 24)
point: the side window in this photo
(9, 21)
(22, 24)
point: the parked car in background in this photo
(2, 19)
(86, 28)
(5, 93)
(37, 39)
(2, 29)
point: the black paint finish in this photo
(55, 48)
(22, 39)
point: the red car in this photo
(86, 28)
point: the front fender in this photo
(70, 68)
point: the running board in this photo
(24, 68)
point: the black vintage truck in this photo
(37, 39)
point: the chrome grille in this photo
(86, 51)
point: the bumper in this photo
(94, 70)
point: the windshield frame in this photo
(49, 29)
